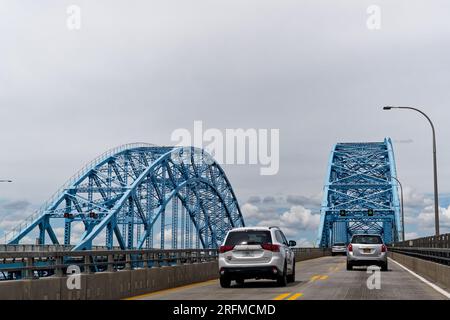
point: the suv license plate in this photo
(366, 250)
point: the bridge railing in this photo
(30, 261)
(434, 248)
(43, 248)
(19, 265)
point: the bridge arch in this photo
(360, 193)
(126, 195)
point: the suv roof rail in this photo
(274, 227)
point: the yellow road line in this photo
(281, 296)
(295, 296)
(194, 285)
(313, 278)
(325, 277)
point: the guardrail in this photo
(441, 241)
(434, 248)
(44, 248)
(438, 255)
(19, 265)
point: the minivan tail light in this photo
(350, 247)
(271, 247)
(383, 248)
(224, 249)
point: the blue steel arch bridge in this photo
(139, 196)
(360, 193)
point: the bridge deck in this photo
(323, 278)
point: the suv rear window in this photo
(248, 237)
(366, 239)
(339, 244)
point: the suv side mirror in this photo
(292, 243)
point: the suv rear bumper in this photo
(234, 273)
(366, 261)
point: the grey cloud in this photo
(254, 199)
(269, 200)
(302, 200)
(16, 205)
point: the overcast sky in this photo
(138, 70)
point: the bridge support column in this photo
(111, 263)
(28, 273)
(58, 270)
(145, 260)
(87, 264)
(128, 262)
(156, 262)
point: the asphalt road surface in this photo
(324, 278)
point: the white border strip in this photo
(435, 287)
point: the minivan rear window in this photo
(248, 237)
(367, 239)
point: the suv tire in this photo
(349, 266)
(225, 282)
(291, 277)
(282, 279)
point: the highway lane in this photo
(318, 279)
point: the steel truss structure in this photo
(140, 196)
(360, 193)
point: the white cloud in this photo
(292, 222)
(414, 199)
(304, 243)
(301, 217)
(250, 211)
(425, 219)
(411, 235)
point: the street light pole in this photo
(436, 197)
(403, 210)
(401, 203)
(5, 180)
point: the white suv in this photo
(256, 253)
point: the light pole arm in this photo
(429, 120)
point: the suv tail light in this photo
(271, 247)
(224, 249)
(350, 247)
(383, 248)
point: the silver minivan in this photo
(367, 250)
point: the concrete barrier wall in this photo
(109, 285)
(121, 284)
(311, 253)
(435, 272)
